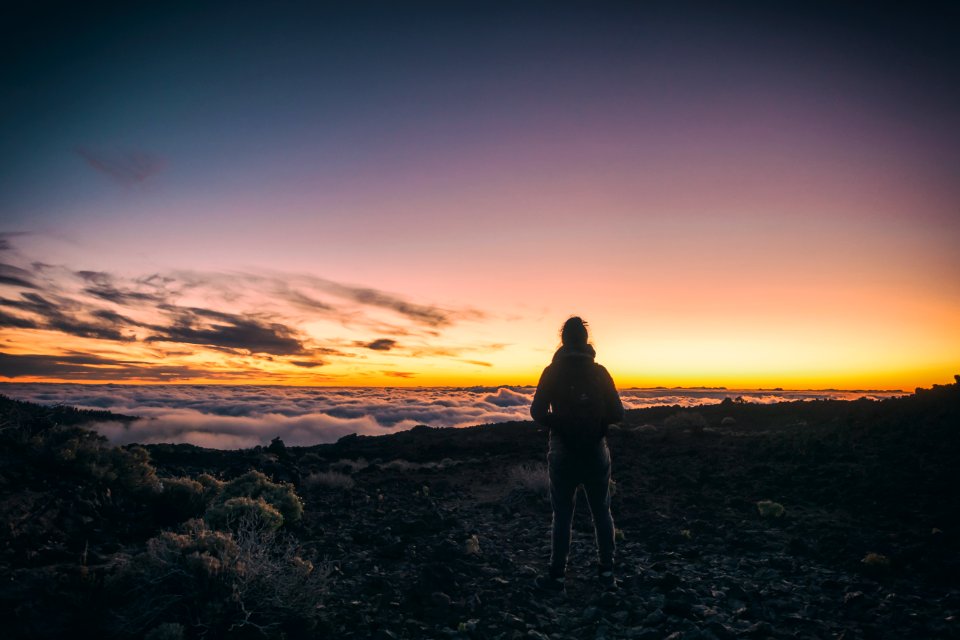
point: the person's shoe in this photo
(606, 578)
(549, 584)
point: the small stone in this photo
(760, 629)
(720, 630)
(514, 621)
(526, 571)
(654, 618)
(669, 581)
(590, 614)
(609, 599)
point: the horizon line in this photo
(440, 386)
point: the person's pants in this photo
(569, 469)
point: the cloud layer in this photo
(229, 417)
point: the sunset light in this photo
(340, 206)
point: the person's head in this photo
(574, 332)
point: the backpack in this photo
(579, 405)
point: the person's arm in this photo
(540, 408)
(612, 406)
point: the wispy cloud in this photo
(261, 322)
(89, 368)
(229, 331)
(381, 344)
(16, 276)
(6, 239)
(127, 167)
(67, 316)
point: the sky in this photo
(419, 194)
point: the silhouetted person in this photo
(577, 400)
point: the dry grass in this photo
(530, 476)
(399, 464)
(346, 465)
(331, 479)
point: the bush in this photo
(230, 515)
(691, 420)
(770, 509)
(211, 487)
(217, 581)
(346, 465)
(332, 479)
(876, 561)
(400, 464)
(89, 458)
(180, 499)
(254, 484)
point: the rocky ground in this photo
(436, 533)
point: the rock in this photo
(669, 581)
(440, 599)
(514, 621)
(654, 618)
(590, 614)
(609, 599)
(527, 571)
(720, 631)
(760, 629)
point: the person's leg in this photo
(562, 499)
(597, 487)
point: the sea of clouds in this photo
(234, 417)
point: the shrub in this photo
(876, 561)
(530, 477)
(770, 509)
(310, 460)
(231, 514)
(346, 465)
(180, 499)
(399, 464)
(90, 458)
(219, 582)
(277, 447)
(691, 420)
(332, 479)
(131, 469)
(254, 484)
(211, 487)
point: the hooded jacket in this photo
(551, 402)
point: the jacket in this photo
(551, 402)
